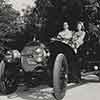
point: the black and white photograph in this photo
(49, 49)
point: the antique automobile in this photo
(55, 58)
(35, 58)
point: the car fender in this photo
(59, 47)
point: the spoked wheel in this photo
(7, 82)
(60, 76)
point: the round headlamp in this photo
(16, 54)
(38, 54)
(9, 56)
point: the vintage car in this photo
(34, 58)
(55, 58)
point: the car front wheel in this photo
(60, 77)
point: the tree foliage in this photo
(11, 26)
(46, 19)
(7, 17)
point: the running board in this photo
(90, 73)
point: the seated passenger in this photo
(78, 37)
(66, 34)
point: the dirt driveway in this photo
(87, 90)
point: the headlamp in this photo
(38, 54)
(9, 56)
(16, 54)
(12, 55)
(38, 50)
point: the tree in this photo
(47, 18)
(7, 16)
(11, 25)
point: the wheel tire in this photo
(7, 81)
(59, 72)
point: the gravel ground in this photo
(89, 89)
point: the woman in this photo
(78, 37)
(66, 34)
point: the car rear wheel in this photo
(7, 81)
(60, 73)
